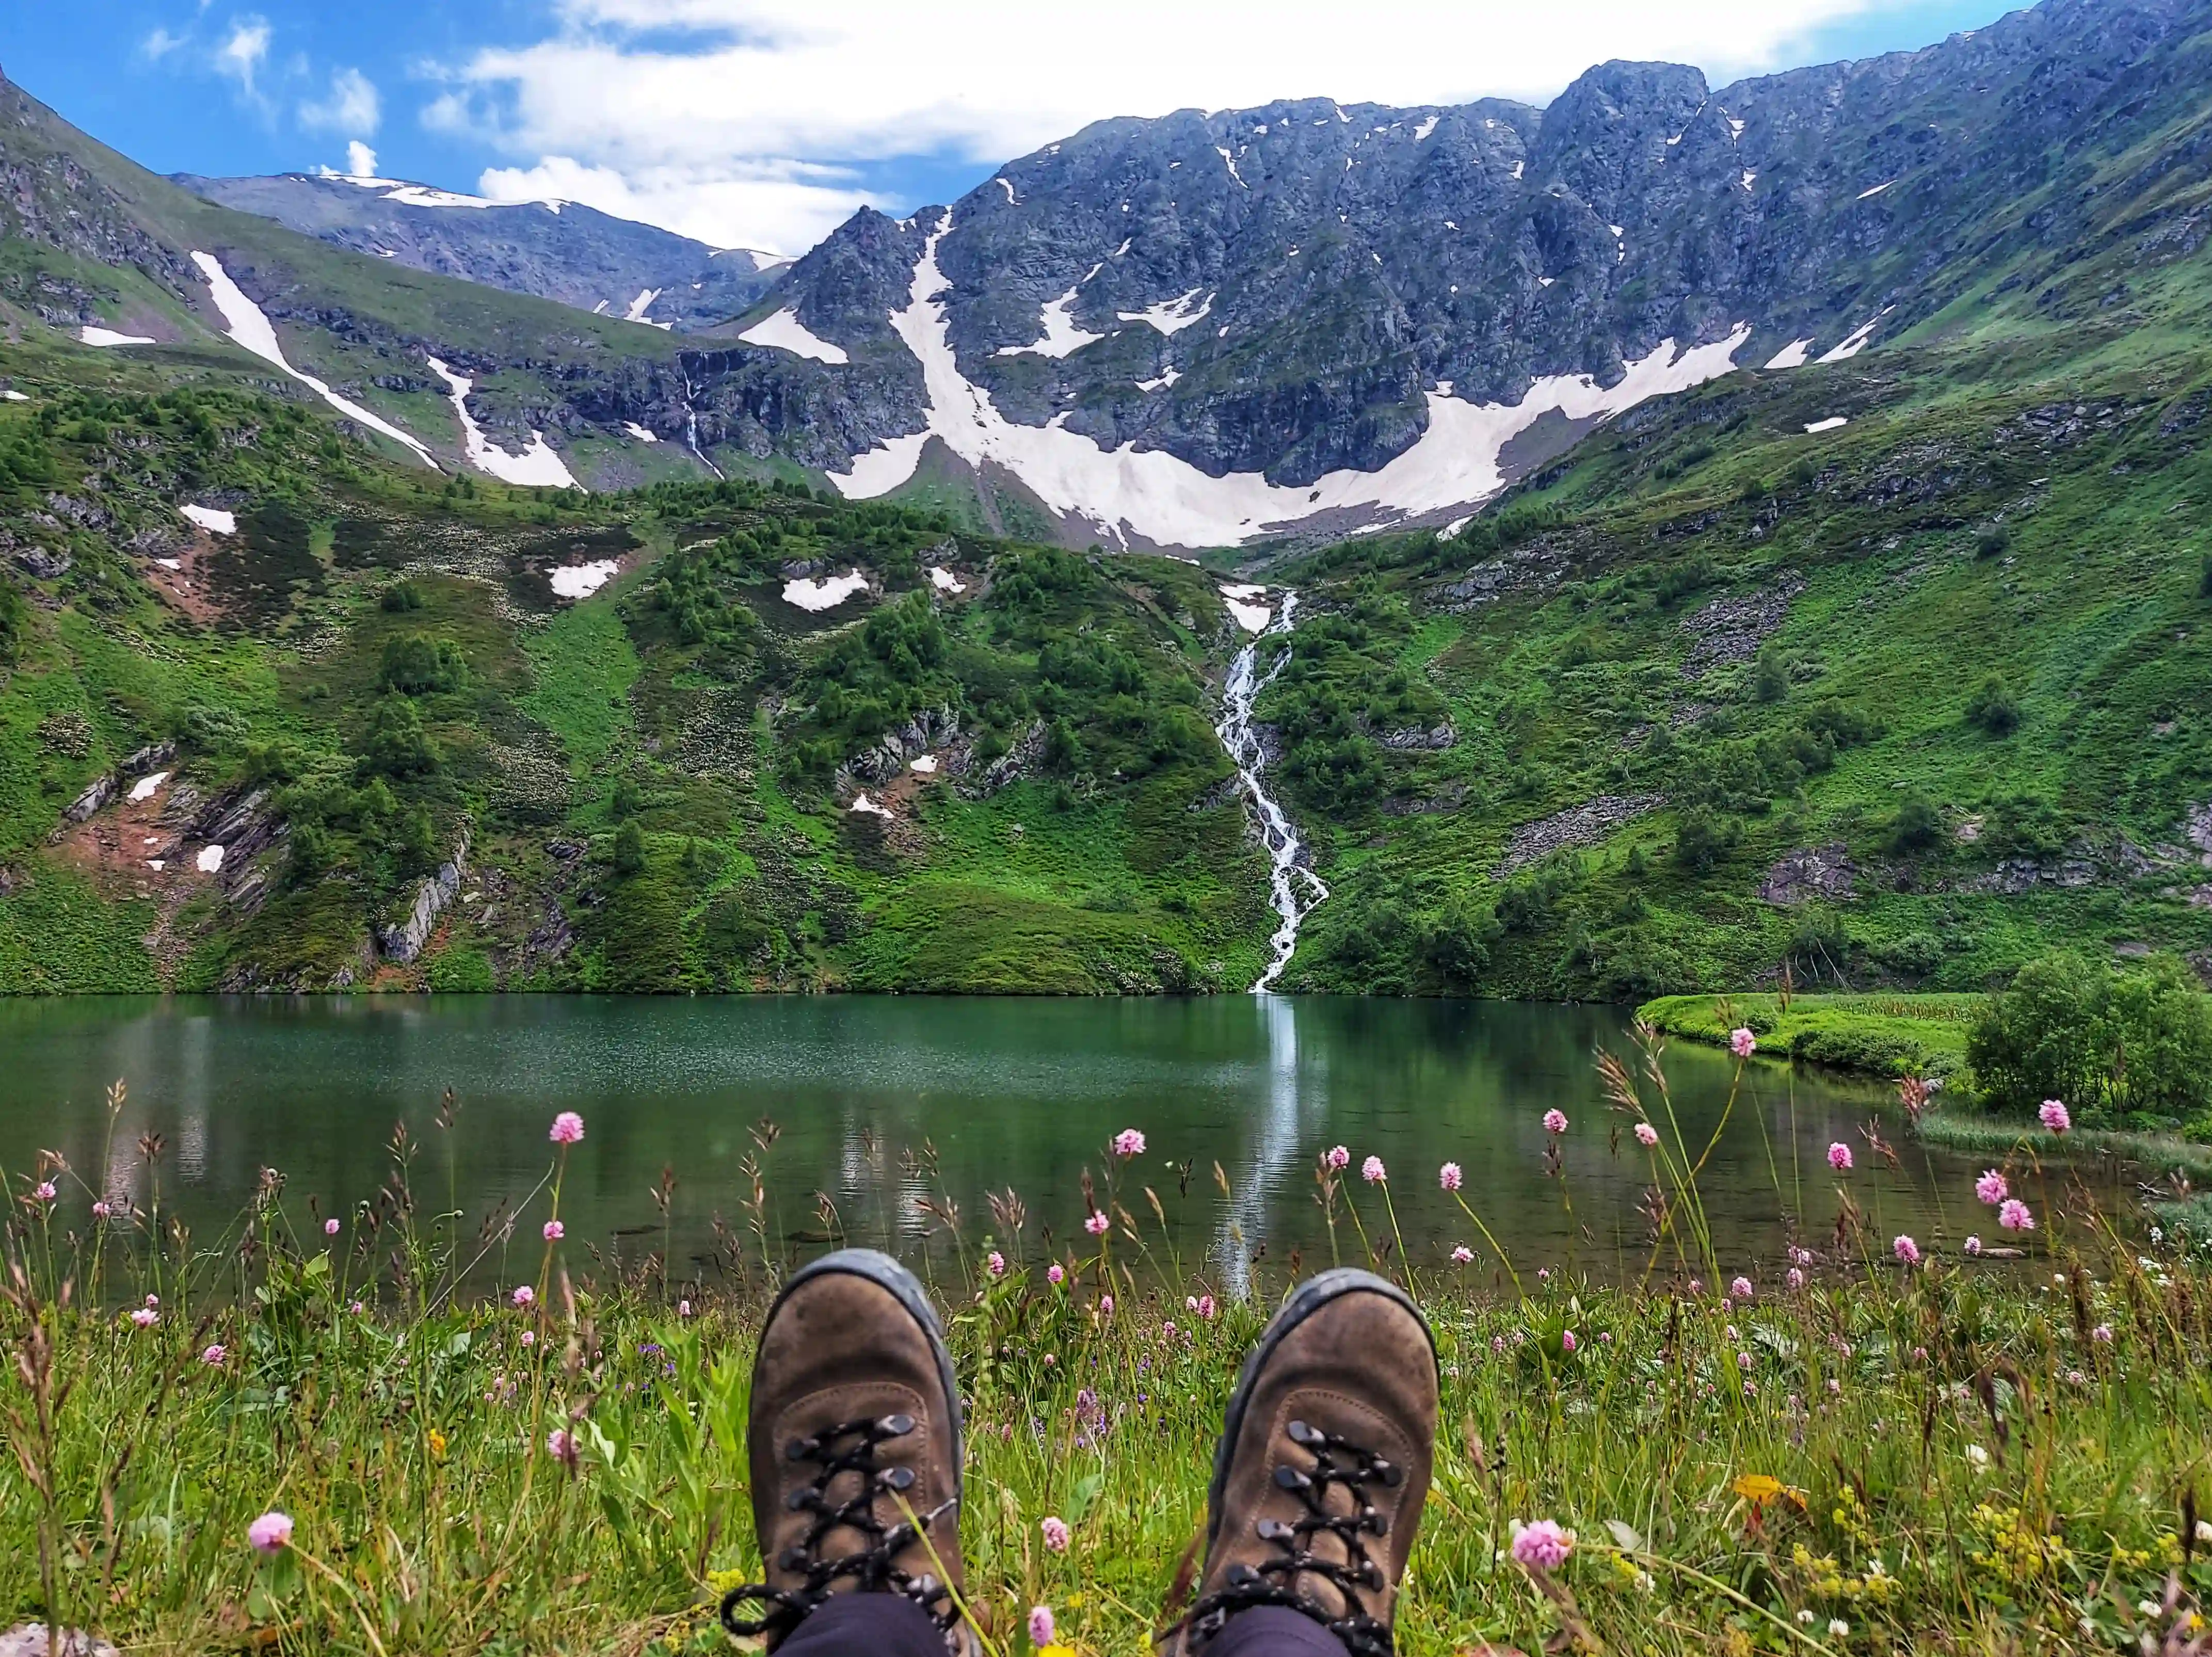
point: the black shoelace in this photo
(848, 1447)
(1337, 1461)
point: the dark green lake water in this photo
(873, 1092)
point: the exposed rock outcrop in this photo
(402, 944)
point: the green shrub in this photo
(402, 596)
(416, 665)
(2110, 1044)
(1992, 542)
(463, 970)
(397, 744)
(629, 849)
(1918, 825)
(1991, 708)
(1703, 838)
(2204, 581)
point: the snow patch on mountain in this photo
(784, 332)
(213, 519)
(1152, 494)
(247, 324)
(1428, 125)
(1170, 316)
(825, 594)
(89, 335)
(582, 581)
(641, 304)
(1855, 343)
(1792, 356)
(1061, 338)
(539, 465)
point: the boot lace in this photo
(1277, 1582)
(848, 1447)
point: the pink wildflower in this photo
(1338, 1158)
(530, 1337)
(1041, 1626)
(1371, 1171)
(1555, 1122)
(1973, 1246)
(554, 1231)
(1105, 1306)
(1740, 1289)
(1129, 1142)
(1543, 1274)
(1448, 1176)
(561, 1445)
(216, 1353)
(331, 1227)
(46, 1191)
(567, 1128)
(684, 1308)
(1646, 1135)
(1991, 1187)
(1742, 1043)
(1206, 1310)
(154, 1300)
(1542, 1546)
(1462, 1255)
(1906, 1250)
(1097, 1223)
(2055, 1116)
(358, 1309)
(523, 1295)
(1743, 1362)
(272, 1532)
(1055, 1275)
(100, 1211)
(995, 1263)
(145, 1317)
(2013, 1215)
(1795, 1277)
(1839, 1156)
(1055, 1534)
(2102, 1334)
(1568, 1343)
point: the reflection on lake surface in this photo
(871, 1093)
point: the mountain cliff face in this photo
(561, 250)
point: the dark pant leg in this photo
(1273, 1631)
(865, 1625)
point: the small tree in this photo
(629, 849)
(1918, 825)
(1991, 708)
(2138, 1044)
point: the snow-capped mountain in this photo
(556, 249)
(1302, 319)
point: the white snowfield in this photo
(863, 806)
(641, 304)
(145, 787)
(12, 395)
(582, 581)
(923, 763)
(1876, 191)
(944, 581)
(213, 519)
(89, 335)
(1253, 617)
(1857, 342)
(210, 860)
(244, 321)
(1792, 356)
(828, 593)
(1833, 422)
(423, 195)
(1062, 336)
(639, 432)
(784, 332)
(1170, 316)
(535, 465)
(1428, 125)
(1152, 494)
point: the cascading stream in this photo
(1297, 890)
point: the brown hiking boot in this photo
(1323, 1463)
(854, 1412)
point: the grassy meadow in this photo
(491, 1436)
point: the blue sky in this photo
(762, 122)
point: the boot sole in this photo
(904, 1287)
(1309, 1297)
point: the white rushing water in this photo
(1297, 890)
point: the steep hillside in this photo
(555, 249)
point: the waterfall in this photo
(1297, 891)
(691, 423)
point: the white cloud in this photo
(160, 44)
(352, 106)
(243, 51)
(775, 207)
(360, 161)
(705, 112)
